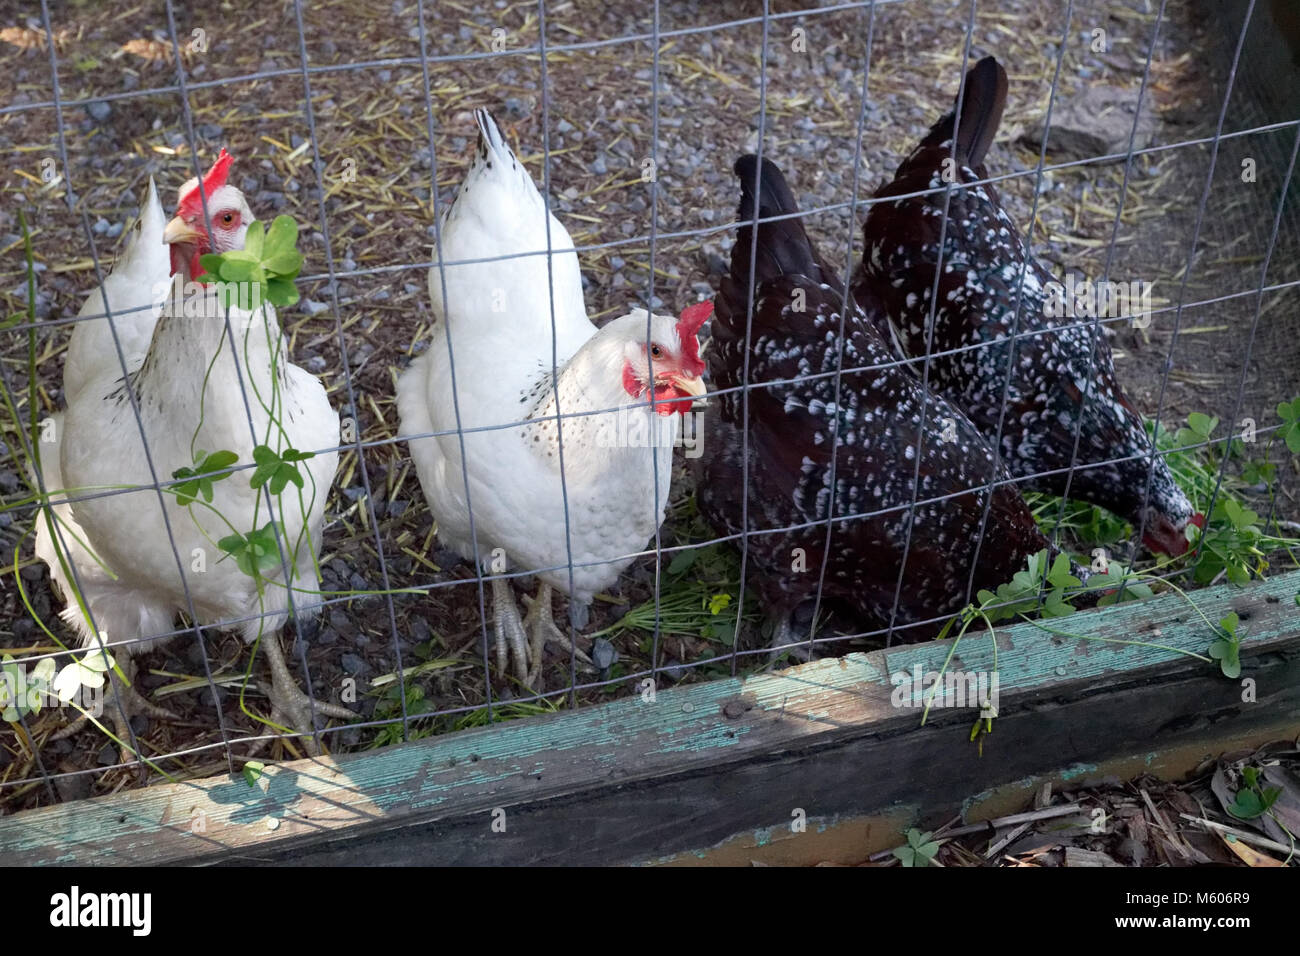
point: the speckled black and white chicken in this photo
(984, 258)
(875, 428)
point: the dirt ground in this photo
(1143, 822)
(375, 198)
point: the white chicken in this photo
(617, 465)
(132, 294)
(193, 391)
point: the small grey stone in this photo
(420, 630)
(446, 558)
(77, 787)
(603, 654)
(673, 670)
(312, 307)
(100, 112)
(352, 664)
(270, 198)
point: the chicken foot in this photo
(290, 707)
(785, 641)
(121, 703)
(544, 629)
(521, 640)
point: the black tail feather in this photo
(982, 103)
(783, 246)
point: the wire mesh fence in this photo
(355, 119)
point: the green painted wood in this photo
(637, 778)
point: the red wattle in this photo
(670, 399)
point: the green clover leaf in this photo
(277, 470)
(919, 851)
(254, 553)
(198, 480)
(1227, 649)
(1289, 412)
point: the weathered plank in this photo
(641, 779)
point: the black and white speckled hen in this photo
(983, 261)
(875, 427)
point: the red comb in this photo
(688, 325)
(1198, 519)
(214, 179)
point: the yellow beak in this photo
(692, 386)
(178, 230)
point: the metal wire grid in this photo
(655, 38)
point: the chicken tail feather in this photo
(783, 247)
(982, 104)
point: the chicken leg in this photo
(522, 640)
(121, 703)
(785, 641)
(543, 630)
(290, 707)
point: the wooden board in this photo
(641, 779)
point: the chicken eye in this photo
(228, 218)
(656, 352)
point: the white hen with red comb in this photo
(498, 315)
(193, 391)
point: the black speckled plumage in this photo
(983, 260)
(875, 426)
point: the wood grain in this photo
(639, 779)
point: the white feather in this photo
(190, 388)
(500, 319)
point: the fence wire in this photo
(550, 56)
